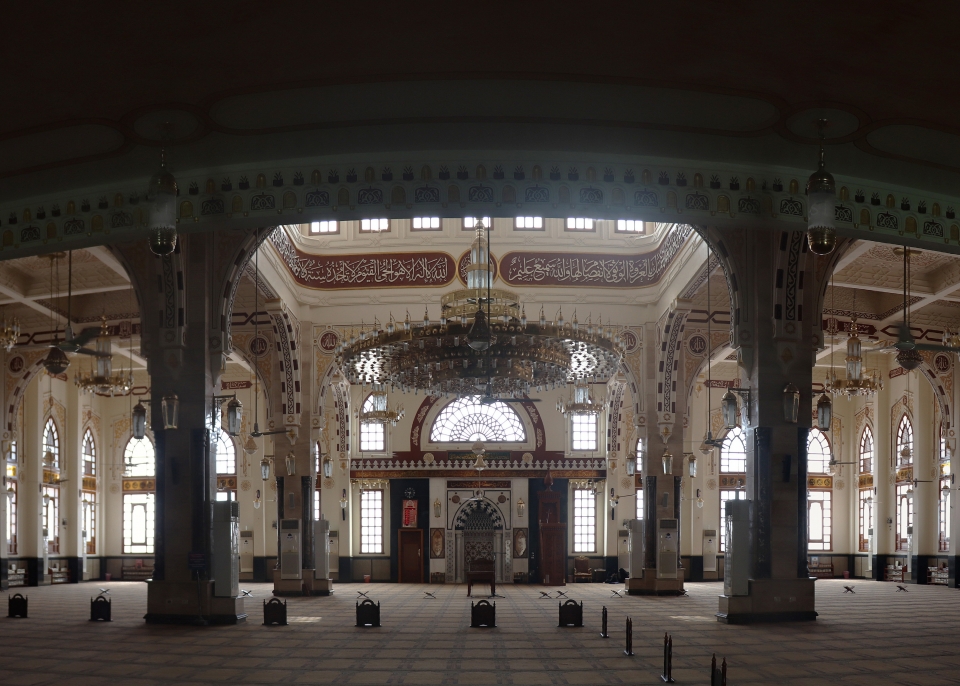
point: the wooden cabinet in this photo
(553, 541)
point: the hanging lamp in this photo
(821, 206)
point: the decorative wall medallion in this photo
(259, 346)
(328, 341)
(328, 483)
(455, 499)
(942, 363)
(630, 341)
(839, 483)
(697, 345)
(501, 499)
(712, 484)
(244, 485)
(16, 364)
(114, 488)
(437, 540)
(625, 482)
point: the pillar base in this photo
(182, 602)
(323, 587)
(771, 600)
(306, 585)
(649, 584)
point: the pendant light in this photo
(821, 206)
(139, 419)
(824, 412)
(162, 221)
(791, 403)
(667, 459)
(170, 407)
(728, 408)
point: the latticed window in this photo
(139, 523)
(866, 451)
(726, 494)
(89, 504)
(818, 452)
(904, 515)
(373, 435)
(11, 532)
(467, 420)
(584, 520)
(819, 520)
(583, 431)
(139, 458)
(733, 452)
(371, 522)
(226, 454)
(943, 507)
(51, 516)
(904, 441)
(866, 518)
(89, 454)
(51, 443)
(639, 503)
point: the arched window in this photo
(226, 454)
(51, 443)
(139, 458)
(866, 451)
(89, 454)
(943, 445)
(904, 441)
(139, 500)
(733, 452)
(818, 452)
(466, 420)
(373, 435)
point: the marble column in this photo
(926, 492)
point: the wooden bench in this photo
(481, 571)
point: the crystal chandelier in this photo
(9, 333)
(858, 381)
(102, 379)
(482, 343)
(380, 412)
(581, 401)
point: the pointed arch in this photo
(89, 454)
(733, 452)
(51, 442)
(226, 454)
(904, 456)
(139, 458)
(866, 450)
(818, 452)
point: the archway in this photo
(478, 528)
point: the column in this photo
(30, 542)
(71, 472)
(884, 470)
(926, 459)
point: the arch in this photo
(866, 454)
(373, 435)
(904, 441)
(51, 442)
(476, 509)
(88, 454)
(818, 452)
(733, 452)
(226, 455)
(139, 458)
(467, 419)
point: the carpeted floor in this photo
(877, 636)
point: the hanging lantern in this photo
(821, 207)
(291, 462)
(631, 464)
(264, 469)
(49, 461)
(170, 406)
(327, 467)
(667, 459)
(480, 464)
(479, 336)
(521, 508)
(234, 416)
(692, 466)
(56, 362)
(909, 359)
(256, 501)
(791, 403)
(478, 448)
(250, 447)
(699, 499)
(162, 223)
(728, 408)
(824, 412)
(139, 420)
(613, 498)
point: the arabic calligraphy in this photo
(618, 271)
(364, 271)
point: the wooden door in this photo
(410, 547)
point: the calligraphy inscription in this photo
(362, 271)
(616, 271)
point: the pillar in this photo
(926, 462)
(30, 541)
(71, 474)
(884, 476)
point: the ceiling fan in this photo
(908, 350)
(71, 343)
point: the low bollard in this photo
(603, 624)
(667, 659)
(368, 613)
(629, 649)
(17, 606)
(275, 612)
(100, 609)
(483, 615)
(718, 677)
(571, 614)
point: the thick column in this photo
(926, 458)
(776, 285)
(183, 363)
(30, 541)
(71, 473)
(884, 469)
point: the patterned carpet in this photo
(877, 636)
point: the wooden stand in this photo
(667, 675)
(275, 612)
(571, 614)
(553, 541)
(17, 606)
(603, 624)
(100, 609)
(483, 615)
(718, 677)
(368, 613)
(629, 648)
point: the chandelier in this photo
(856, 382)
(9, 333)
(482, 343)
(380, 411)
(102, 379)
(581, 401)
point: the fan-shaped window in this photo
(226, 454)
(466, 420)
(89, 455)
(905, 441)
(866, 451)
(51, 444)
(733, 452)
(818, 452)
(139, 458)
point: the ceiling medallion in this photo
(482, 343)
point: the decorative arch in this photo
(88, 454)
(866, 450)
(903, 441)
(818, 452)
(471, 508)
(141, 456)
(226, 454)
(51, 441)
(467, 419)
(33, 364)
(733, 451)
